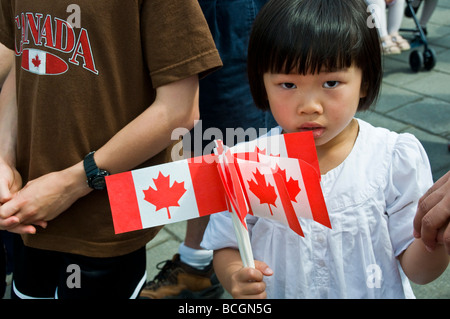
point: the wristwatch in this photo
(95, 176)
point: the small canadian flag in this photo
(164, 194)
(283, 189)
(282, 185)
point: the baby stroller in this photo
(427, 59)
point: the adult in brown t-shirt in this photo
(115, 77)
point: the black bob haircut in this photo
(307, 36)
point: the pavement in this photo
(418, 103)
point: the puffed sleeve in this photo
(219, 233)
(409, 178)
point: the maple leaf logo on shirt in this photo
(164, 196)
(36, 61)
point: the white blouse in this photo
(371, 199)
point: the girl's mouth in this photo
(315, 128)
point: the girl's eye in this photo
(288, 85)
(331, 84)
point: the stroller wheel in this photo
(429, 59)
(415, 61)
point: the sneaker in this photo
(177, 280)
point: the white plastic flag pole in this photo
(243, 239)
(242, 235)
(241, 232)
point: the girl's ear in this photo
(363, 90)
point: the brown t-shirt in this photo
(83, 73)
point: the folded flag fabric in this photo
(283, 189)
(293, 145)
(264, 184)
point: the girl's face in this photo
(323, 103)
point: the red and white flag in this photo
(293, 145)
(42, 63)
(280, 185)
(165, 194)
(283, 189)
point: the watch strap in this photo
(90, 166)
(95, 176)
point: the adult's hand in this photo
(43, 199)
(10, 184)
(431, 222)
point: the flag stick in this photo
(243, 239)
(241, 231)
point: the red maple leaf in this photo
(264, 191)
(164, 196)
(36, 62)
(291, 185)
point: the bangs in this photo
(312, 42)
(313, 36)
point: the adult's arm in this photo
(43, 199)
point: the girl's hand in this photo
(247, 283)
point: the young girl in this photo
(315, 63)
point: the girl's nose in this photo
(309, 104)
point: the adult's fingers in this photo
(13, 225)
(443, 237)
(433, 221)
(436, 199)
(5, 193)
(7, 223)
(8, 209)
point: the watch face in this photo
(98, 182)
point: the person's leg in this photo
(190, 251)
(427, 11)
(395, 17)
(35, 273)
(43, 274)
(121, 277)
(378, 11)
(2, 267)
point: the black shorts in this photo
(48, 274)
